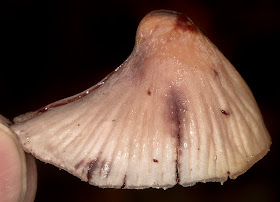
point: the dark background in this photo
(51, 50)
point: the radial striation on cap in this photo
(176, 111)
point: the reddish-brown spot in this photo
(149, 92)
(155, 160)
(224, 112)
(216, 73)
(184, 24)
(228, 172)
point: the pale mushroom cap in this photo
(175, 111)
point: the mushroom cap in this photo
(176, 111)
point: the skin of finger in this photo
(12, 167)
(18, 173)
(31, 178)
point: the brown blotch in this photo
(139, 73)
(175, 117)
(176, 110)
(78, 165)
(91, 167)
(184, 24)
(175, 113)
(149, 92)
(124, 181)
(155, 160)
(228, 172)
(224, 112)
(177, 171)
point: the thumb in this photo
(18, 174)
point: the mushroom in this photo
(176, 111)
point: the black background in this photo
(52, 50)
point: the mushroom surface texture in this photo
(176, 111)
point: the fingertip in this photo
(31, 178)
(18, 172)
(12, 167)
